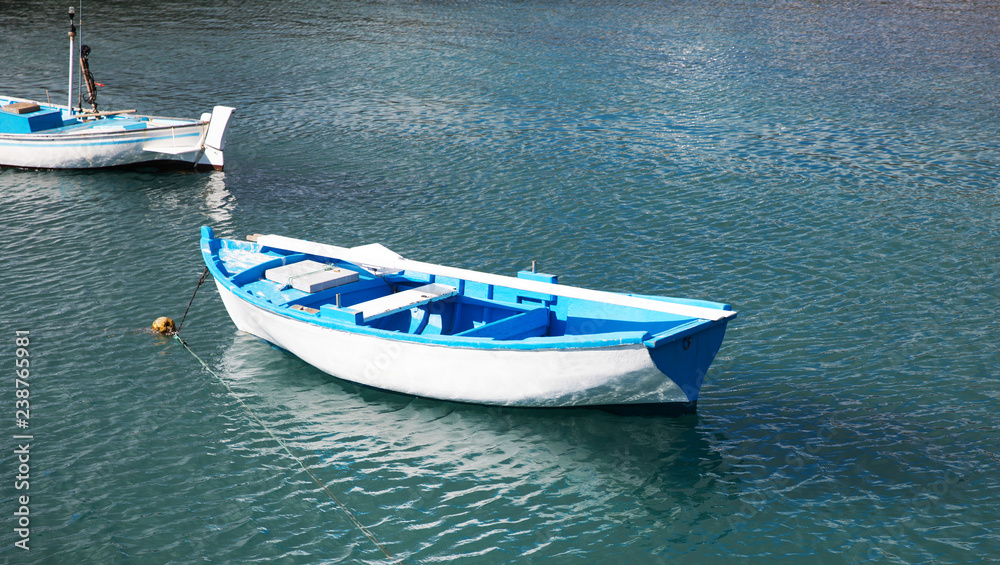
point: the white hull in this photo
(617, 375)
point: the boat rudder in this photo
(215, 139)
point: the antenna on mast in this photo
(72, 34)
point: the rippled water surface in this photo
(830, 169)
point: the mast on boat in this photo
(72, 35)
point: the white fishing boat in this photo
(43, 135)
(367, 315)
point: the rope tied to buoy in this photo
(343, 508)
(165, 325)
(204, 275)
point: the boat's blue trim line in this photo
(56, 143)
(594, 341)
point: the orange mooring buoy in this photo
(164, 325)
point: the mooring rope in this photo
(204, 276)
(301, 463)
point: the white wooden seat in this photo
(310, 276)
(397, 302)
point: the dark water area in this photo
(829, 169)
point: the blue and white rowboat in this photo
(367, 315)
(47, 136)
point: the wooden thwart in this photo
(310, 276)
(388, 305)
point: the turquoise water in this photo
(830, 169)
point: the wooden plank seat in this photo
(404, 300)
(310, 276)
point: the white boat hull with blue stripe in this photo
(368, 316)
(46, 136)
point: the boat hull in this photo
(95, 150)
(625, 375)
(120, 141)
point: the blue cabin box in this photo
(12, 121)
